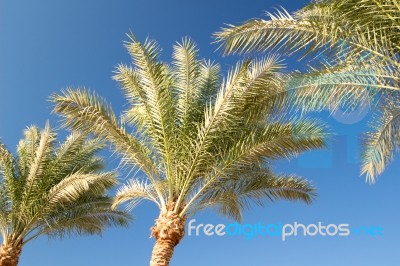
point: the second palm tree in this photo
(200, 142)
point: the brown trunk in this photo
(162, 253)
(168, 231)
(10, 253)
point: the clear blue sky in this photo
(49, 45)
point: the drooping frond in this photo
(380, 144)
(76, 154)
(86, 216)
(264, 93)
(329, 92)
(233, 193)
(134, 192)
(273, 141)
(319, 27)
(257, 145)
(282, 30)
(71, 188)
(87, 112)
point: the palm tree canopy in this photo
(353, 49)
(199, 140)
(54, 190)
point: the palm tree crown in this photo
(201, 142)
(353, 46)
(46, 190)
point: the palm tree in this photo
(200, 142)
(52, 191)
(354, 49)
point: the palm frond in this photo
(264, 94)
(253, 186)
(318, 28)
(380, 144)
(89, 113)
(7, 172)
(209, 80)
(157, 81)
(40, 161)
(87, 216)
(275, 140)
(282, 30)
(71, 188)
(134, 192)
(186, 74)
(216, 118)
(76, 154)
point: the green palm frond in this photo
(256, 185)
(187, 73)
(134, 192)
(380, 144)
(7, 172)
(76, 154)
(221, 118)
(273, 141)
(76, 185)
(138, 114)
(261, 35)
(319, 27)
(73, 145)
(26, 149)
(209, 80)
(89, 113)
(156, 79)
(39, 163)
(256, 146)
(85, 216)
(264, 93)
(333, 91)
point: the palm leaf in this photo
(380, 144)
(89, 113)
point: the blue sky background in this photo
(49, 45)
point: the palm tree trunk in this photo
(10, 253)
(162, 253)
(168, 230)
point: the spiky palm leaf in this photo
(195, 135)
(51, 190)
(354, 51)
